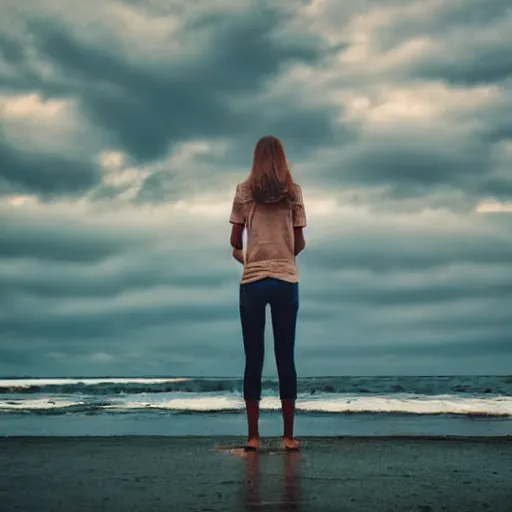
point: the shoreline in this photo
(383, 438)
(179, 425)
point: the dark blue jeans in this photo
(283, 298)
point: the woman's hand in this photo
(238, 254)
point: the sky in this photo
(125, 126)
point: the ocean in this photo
(326, 406)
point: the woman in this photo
(269, 205)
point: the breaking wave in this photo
(230, 404)
(485, 385)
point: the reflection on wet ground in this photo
(289, 482)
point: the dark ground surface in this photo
(153, 474)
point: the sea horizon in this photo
(270, 376)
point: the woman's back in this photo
(270, 234)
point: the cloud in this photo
(464, 42)
(126, 125)
(53, 238)
(153, 105)
(42, 149)
(23, 171)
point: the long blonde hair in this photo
(270, 179)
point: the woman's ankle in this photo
(288, 411)
(252, 410)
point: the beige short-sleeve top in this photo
(270, 237)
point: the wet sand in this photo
(154, 474)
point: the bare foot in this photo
(252, 444)
(291, 444)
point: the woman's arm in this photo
(238, 254)
(300, 242)
(236, 241)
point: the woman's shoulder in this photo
(243, 192)
(297, 189)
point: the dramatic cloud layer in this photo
(125, 126)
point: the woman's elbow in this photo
(299, 241)
(236, 239)
(300, 245)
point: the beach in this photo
(157, 473)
